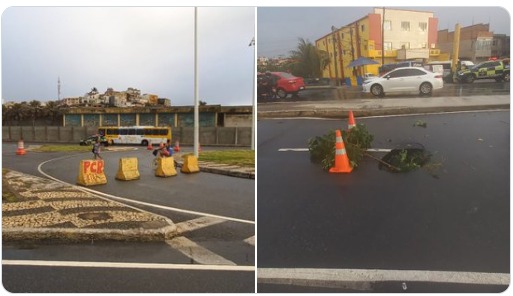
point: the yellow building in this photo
(408, 35)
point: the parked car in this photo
(287, 83)
(369, 76)
(406, 79)
(498, 70)
(92, 139)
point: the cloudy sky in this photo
(148, 48)
(280, 27)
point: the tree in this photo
(308, 61)
(35, 110)
(18, 112)
(52, 111)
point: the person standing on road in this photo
(96, 149)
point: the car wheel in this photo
(469, 78)
(377, 90)
(505, 77)
(281, 93)
(144, 143)
(426, 89)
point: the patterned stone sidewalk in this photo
(47, 209)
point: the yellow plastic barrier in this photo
(91, 173)
(190, 164)
(165, 167)
(128, 169)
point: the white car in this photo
(406, 79)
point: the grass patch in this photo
(245, 158)
(63, 148)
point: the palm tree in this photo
(52, 111)
(308, 60)
(35, 110)
(19, 111)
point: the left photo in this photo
(128, 159)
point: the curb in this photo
(78, 235)
(342, 112)
(232, 171)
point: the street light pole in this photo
(252, 43)
(196, 89)
(334, 31)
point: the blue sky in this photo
(148, 48)
(280, 27)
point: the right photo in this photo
(383, 149)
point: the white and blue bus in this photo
(142, 135)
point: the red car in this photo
(287, 83)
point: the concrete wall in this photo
(237, 120)
(222, 136)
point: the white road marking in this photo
(198, 223)
(360, 279)
(378, 150)
(293, 149)
(125, 265)
(250, 241)
(196, 252)
(109, 196)
(306, 150)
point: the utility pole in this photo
(455, 48)
(358, 45)
(58, 89)
(383, 38)
(352, 47)
(334, 31)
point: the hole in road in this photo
(405, 159)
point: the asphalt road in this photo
(451, 218)
(183, 199)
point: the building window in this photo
(388, 45)
(388, 25)
(423, 45)
(405, 26)
(363, 28)
(423, 26)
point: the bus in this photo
(143, 135)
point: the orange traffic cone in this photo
(341, 160)
(177, 146)
(21, 148)
(150, 147)
(350, 122)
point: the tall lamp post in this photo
(252, 43)
(334, 31)
(196, 88)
